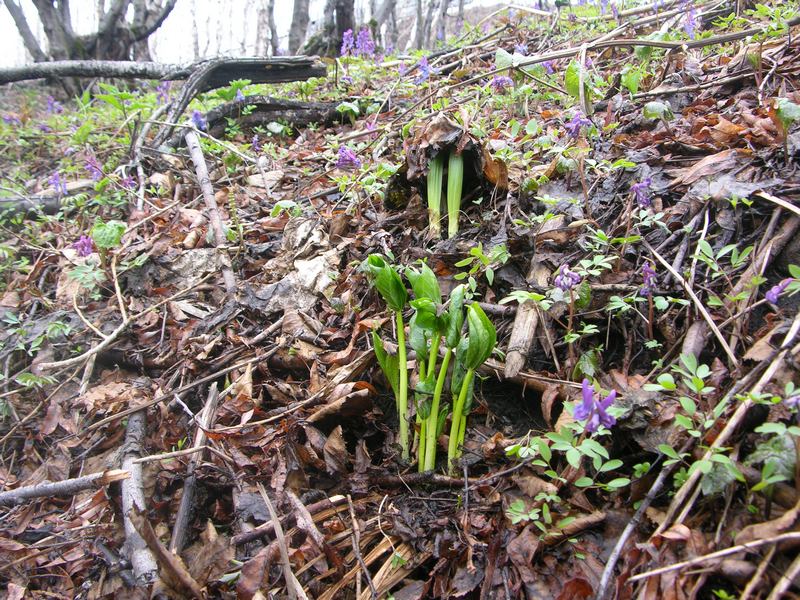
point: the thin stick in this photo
(794, 535)
(193, 144)
(67, 487)
(293, 587)
(698, 304)
(356, 536)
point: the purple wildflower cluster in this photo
(239, 95)
(641, 192)
(690, 22)
(54, 106)
(578, 122)
(521, 48)
(500, 83)
(615, 10)
(776, 290)
(58, 183)
(199, 120)
(648, 280)
(84, 246)
(256, 145)
(162, 92)
(12, 120)
(94, 168)
(549, 67)
(566, 279)
(128, 182)
(424, 71)
(593, 410)
(360, 45)
(347, 159)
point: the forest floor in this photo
(202, 341)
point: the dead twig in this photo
(68, 487)
(356, 538)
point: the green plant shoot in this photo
(435, 176)
(455, 181)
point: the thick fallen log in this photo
(225, 70)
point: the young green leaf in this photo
(482, 337)
(424, 283)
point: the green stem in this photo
(422, 445)
(402, 407)
(433, 418)
(432, 356)
(455, 426)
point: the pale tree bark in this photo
(297, 32)
(31, 45)
(195, 33)
(274, 40)
(262, 27)
(426, 29)
(418, 26)
(384, 13)
(345, 18)
(440, 24)
(460, 18)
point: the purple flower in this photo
(615, 10)
(690, 23)
(640, 192)
(648, 280)
(793, 402)
(94, 168)
(11, 120)
(574, 126)
(84, 245)
(58, 183)
(594, 411)
(402, 69)
(128, 182)
(346, 79)
(199, 120)
(424, 70)
(521, 49)
(44, 128)
(162, 89)
(256, 144)
(572, 17)
(347, 159)
(549, 67)
(239, 95)
(500, 83)
(365, 46)
(347, 43)
(776, 290)
(603, 6)
(54, 106)
(566, 279)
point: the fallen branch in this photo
(68, 487)
(257, 70)
(193, 144)
(145, 568)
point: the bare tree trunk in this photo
(297, 32)
(419, 26)
(460, 18)
(345, 19)
(426, 36)
(440, 24)
(31, 45)
(195, 33)
(274, 42)
(261, 31)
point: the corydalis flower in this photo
(549, 67)
(648, 280)
(94, 168)
(641, 192)
(199, 120)
(776, 290)
(54, 106)
(347, 159)
(593, 410)
(574, 126)
(500, 83)
(690, 23)
(566, 279)
(239, 95)
(365, 46)
(614, 10)
(84, 245)
(348, 42)
(424, 70)
(11, 120)
(162, 91)
(256, 144)
(521, 49)
(58, 183)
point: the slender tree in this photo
(297, 32)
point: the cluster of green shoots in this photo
(434, 328)
(455, 182)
